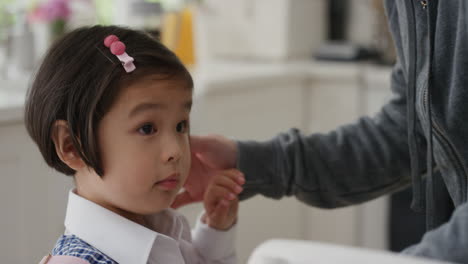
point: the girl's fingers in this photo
(235, 175)
(224, 186)
(220, 199)
(229, 182)
(224, 216)
(215, 194)
(220, 212)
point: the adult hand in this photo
(210, 155)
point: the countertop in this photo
(223, 75)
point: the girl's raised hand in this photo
(220, 200)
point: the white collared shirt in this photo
(168, 241)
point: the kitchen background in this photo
(260, 67)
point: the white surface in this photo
(307, 252)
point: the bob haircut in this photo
(78, 82)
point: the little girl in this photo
(110, 106)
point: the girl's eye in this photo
(182, 126)
(147, 129)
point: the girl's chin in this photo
(155, 210)
(154, 205)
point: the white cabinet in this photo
(32, 198)
(333, 102)
(256, 109)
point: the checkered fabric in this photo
(70, 245)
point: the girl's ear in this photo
(64, 147)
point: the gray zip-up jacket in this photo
(423, 130)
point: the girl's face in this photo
(144, 148)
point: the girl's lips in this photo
(169, 183)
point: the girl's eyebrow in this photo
(187, 106)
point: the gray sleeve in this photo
(352, 164)
(449, 242)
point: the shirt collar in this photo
(117, 237)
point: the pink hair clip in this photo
(118, 49)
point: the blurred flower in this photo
(51, 11)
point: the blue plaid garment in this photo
(70, 245)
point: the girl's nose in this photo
(173, 158)
(172, 151)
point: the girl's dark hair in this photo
(79, 80)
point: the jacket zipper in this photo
(440, 136)
(424, 4)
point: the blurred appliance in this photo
(357, 30)
(337, 16)
(343, 51)
(139, 14)
(260, 29)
